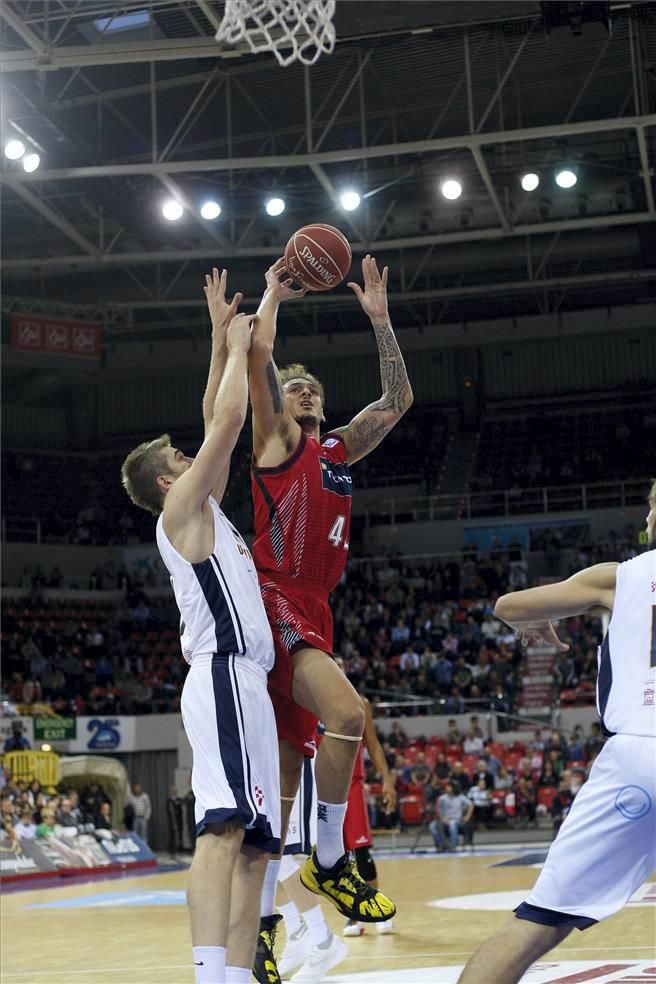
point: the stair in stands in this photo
(537, 684)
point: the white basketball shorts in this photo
(302, 830)
(606, 847)
(229, 720)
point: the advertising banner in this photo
(55, 336)
(23, 858)
(126, 849)
(67, 853)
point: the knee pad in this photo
(288, 867)
(366, 864)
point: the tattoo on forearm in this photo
(275, 389)
(397, 393)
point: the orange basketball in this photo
(318, 257)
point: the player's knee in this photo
(348, 717)
(366, 864)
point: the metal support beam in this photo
(189, 113)
(39, 48)
(412, 147)
(646, 170)
(491, 190)
(53, 217)
(53, 263)
(210, 14)
(130, 52)
(504, 78)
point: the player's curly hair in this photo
(298, 371)
(139, 473)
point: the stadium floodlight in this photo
(172, 210)
(530, 181)
(275, 206)
(14, 149)
(349, 200)
(210, 210)
(451, 189)
(31, 162)
(566, 178)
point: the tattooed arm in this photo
(369, 427)
(275, 432)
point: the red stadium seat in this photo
(414, 789)
(511, 760)
(567, 696)
(411, 809)
(498, 749)
(546, 796)
(469, 763)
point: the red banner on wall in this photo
(58, 336)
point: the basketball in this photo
(318, 257)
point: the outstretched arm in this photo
(221, 313)
(377, 756)
(531, 612)
(369, 427)
(270, 421)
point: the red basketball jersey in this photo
(359, 773)
(303, 514)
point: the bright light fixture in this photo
(451, 189)
(31, 162)
(530, 181)
(14, 149)
(349, 200)
(210, 210)
(275, 206)
(566, 178)
(172, 210)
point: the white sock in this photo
(291, 917)
(238, 975)
(267, 905)
(209, 964)
(330, 837)
(317, 925)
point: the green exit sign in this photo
(54, 729)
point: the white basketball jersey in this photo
(221, 608)
(626, 682)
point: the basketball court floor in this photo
(134, 930)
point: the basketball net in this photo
(294, 30)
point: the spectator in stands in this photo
(561, 805)
(455, 702)
(537, 744)
(503, 780)
(493, 763)
(174, 821)
(442, 769)
(454, 813)
(398, 737)
(75, 810)
(25, 829)
(17, 742)
(475, 727)
(420, 772)
(576, 747)
(473, 744)
(409, 660)
(483, 774)
(92, 796)
(442, 673)
(525, 800)
(459, 778)
(557, 763)
(47, 826)
(140, 803)
(103, 819)
(548, 776)
(64, 816)
(559, 743)
(479, 794)
(595, 741)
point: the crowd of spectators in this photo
(414, 637)
(464, 781)
(28, 810)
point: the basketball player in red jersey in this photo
(302, 498)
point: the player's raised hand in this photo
(281, 289)
(374, 296)
(221, 310)
(239, 333)
(539, 632)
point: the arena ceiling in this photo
(414, 92)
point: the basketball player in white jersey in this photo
(226, 639)
(606, 847)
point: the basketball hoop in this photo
(294, 30)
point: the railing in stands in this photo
(21, 529)
(510, 502)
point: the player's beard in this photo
(308, 422)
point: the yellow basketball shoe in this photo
(265, 970)
(348, 892)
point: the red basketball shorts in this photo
(357, 832)
(297, 619)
